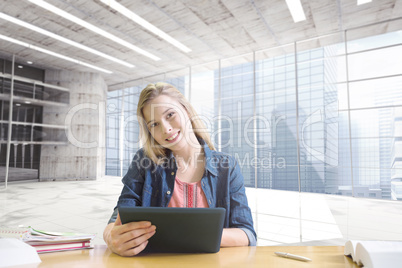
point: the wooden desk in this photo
(101, 256)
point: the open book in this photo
(375, 254)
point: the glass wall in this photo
(319, 116)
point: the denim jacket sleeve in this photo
(240, 213)
(133, 182)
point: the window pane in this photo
(375, 63)
(318, 122)
(130, 125)
(113, 110)
(236, 121)
(202, 93)
(376, 92)
(276, 120)
(375, 150)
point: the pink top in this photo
(188, 195)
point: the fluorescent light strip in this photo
(15, 41)
(361, 2)
(137, 19)
(62, 39)
(296, 9)
(91, 27)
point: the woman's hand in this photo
(128, 239)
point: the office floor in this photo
(76, 206)
(85, 207)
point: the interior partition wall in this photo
(23, 132)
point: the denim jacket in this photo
(150, 185)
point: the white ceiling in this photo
(212, 29)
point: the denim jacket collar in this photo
(208, 156)
(209, 165)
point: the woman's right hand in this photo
(128, 239)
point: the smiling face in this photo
(168, 122)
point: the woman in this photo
(178, 167)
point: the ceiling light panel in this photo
(361, 2)
(296, 10)
(62, 39)
(93, 28)
(21, 43)
(150, 27)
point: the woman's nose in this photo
(167, 127)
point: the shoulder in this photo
(140, 159)
(217, 160)
(139, 154)
(220, 155)
(224, 160)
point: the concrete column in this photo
(83, 158)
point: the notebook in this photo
(45, 241)
(180, 230)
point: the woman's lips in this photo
(173, 138)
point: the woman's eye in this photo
(153, 125)
(170, 115)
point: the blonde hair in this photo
(152, 148)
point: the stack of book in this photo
(44, 241)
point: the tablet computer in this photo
(180, 230)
